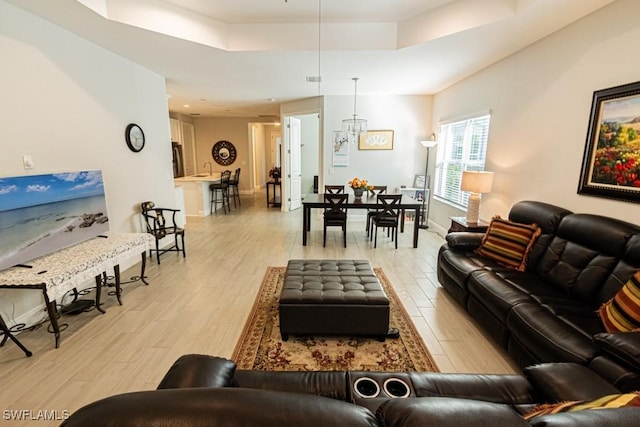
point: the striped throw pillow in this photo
(508, 243)
(605, 402)
(622, 312)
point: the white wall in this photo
(407, 116)
(540, 100)
(309, 129)
(66, 102)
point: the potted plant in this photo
(359, 186)
(275, 173)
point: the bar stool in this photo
(220, 189)
(234, 182)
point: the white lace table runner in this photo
(69, 268)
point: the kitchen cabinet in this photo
(197, 197)
(176, 132)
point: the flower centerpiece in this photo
(275, 173)
(359, 186)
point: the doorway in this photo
(265, 140)
(269, 143)
(298, 187)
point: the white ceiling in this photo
(231, 58)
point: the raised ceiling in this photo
(244, 57)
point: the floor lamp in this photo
(424, 218)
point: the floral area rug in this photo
(261, 347)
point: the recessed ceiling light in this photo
(186, 105)
(271, 100)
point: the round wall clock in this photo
(224, 153)
(134, 137)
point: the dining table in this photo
(367, 201)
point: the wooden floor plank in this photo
(199, 304)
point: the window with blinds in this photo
(462, 146)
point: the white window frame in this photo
(462, 146)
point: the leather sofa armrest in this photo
(447, 412)
(464, 240)
(198, 370)
(624, 346)
(556, 382)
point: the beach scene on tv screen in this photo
(40, 214)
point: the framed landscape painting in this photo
(611, 161)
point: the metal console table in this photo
(64, 270)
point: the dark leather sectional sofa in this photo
(207, 391)
(548, 313)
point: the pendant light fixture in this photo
(354, 126)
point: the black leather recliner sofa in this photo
(206, 391)
(548, 313)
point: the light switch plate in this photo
(27, 161)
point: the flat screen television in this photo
(40, 214)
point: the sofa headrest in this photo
(605, 235)
(514, 389)
(567, 381)
(331, 384)
(228, 407)
(445, 412)
(547, 216)
(582, 258)
(199, 370)
(632, 251)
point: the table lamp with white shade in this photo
(475, 182)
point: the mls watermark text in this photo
(34, 415)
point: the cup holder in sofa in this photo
(366, 388)
(395, 387)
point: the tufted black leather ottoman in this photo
(332, 297)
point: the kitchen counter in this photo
(215, 177)
(197, 197)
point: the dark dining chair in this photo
(334, 189)
(220, 189)
(234, 182)
(161, 222)
(373, 192)
(335, 214)
(388, 216)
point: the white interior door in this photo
(294, 177)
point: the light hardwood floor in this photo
(199, 304)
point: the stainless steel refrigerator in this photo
(178, 160)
